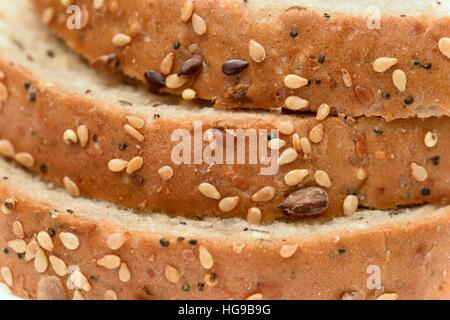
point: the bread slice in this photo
(48, 91)
(156, 257)
(333, 44)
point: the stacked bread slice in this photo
(349, 133)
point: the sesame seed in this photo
(80, 281)
(166, 173)
(7, 276)
(206, 259)
(256, 51)
(265, 194)
(287, 157)
(110, 295)
(45, 241)
(116, 240)
(58, 265)
(121, 40)
(209, 191)
(228, 204)
(316, 134)
(388, 296)
(17, 245)
(71, 187)
(110, 262)
(8, 206)
(361, 174)
(188, 94)
(254, 216)
(18, 229)
(256, 296)
(136, 122)
(6, 148)
(69, 240)
(124, 273)
(383, 64)
(295, 103)
(187, 10)
(444, 46)
(295, 177)
(276, 144)
(293, 81)
(78, 296)
(98, 4)
(351, 204)
(175, 81)
(323, 112)
(172, 274)
(198, 24)
(418, 172)
(288, 250)
(47, 15)
(431, 139)
(322, 179)
(25, 159)
(31, 250)
(399, 79)
(83, 135)
(166, 65)
(40, 261)
(135, 164)
(70, 137)
(285, 127)
(132, 132)
(347, 78)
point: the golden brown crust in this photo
(384, 152)
(345, 42)
(412, 257)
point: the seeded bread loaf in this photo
(55, 247)
(57, 100)
(368, 58)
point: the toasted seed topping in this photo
(47, 15)
(136, 122)
(265, 194)
(3, 92)
(388, 296)
(166, 173)
(191, 67)
(31, 250)
(209, 191)
(323, 112)
(306, 202)
(124, 273)
(295, 103)
(116, 240)
(71, 187)
(8, 206)
(70, 137)
(58, 265)
(288, 156)
(110, 295)
(383, 64)
(285, 127)
(7, 276)
(83, 135)
(206, 259)
(45, 241)
(40, 261)
(361, 174)
(288, 250)
(117, 165)
(296, 142)
(109, 262)
(6, 149)
(80, 281)
(198, 24)
(18, 245)
(239, 247)
(155, 79)
(256, 51)
(18, 229)
(444, 46)
(172, 274)
(69, 240)
(306, 147)
(254, 216)
(363, 95)
(347, 78)
(399, 79)
(175, 82)
(187, 10)
(78, 296)
(228, 204)
(256, 296)
(293, 81)
(418, 172)
(210, 279)
(316, 134)
(25, 159)
(98, 4)
(276, 144)
(188, 94)
(295, 177)
(135, 164)
(353, 295)
(132, 132)
(322, 179)
(431, 139)
(166, 65)
(351, 204)
(234, 67)
(121, 40)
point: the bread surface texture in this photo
(261, 54)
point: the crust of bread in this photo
(346, 42)
(411, 255)
(384, 151)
